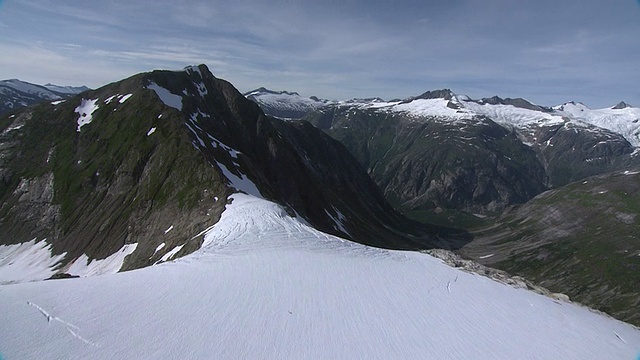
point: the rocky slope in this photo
(581, 240)
(143, 167)
(440, 150)
(15, 94)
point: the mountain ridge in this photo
(15, 93)
(570, 141)
(105, 173)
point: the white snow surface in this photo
(622, 121)
(83, 266)
(85, 111)
(166, 96)
(286, 100)
(513, 116)
(267, 286)
(625, 122)
(28, 261)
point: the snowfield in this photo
(268, 286)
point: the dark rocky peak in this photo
(292, 163)
(364, 100)
(517, 102)
(621, 105)
(435, 94)
(263, 90)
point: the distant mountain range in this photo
(140, 171)
(445, 150)
(15, 93)
(547, 192)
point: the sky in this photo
(547, 52)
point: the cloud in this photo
(543, 50)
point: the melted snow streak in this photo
(267, 286)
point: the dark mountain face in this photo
(474, 165)
(570, 153)
(466, 160)
(125, 163)
(16, 94)
(518, 102)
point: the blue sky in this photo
(546, 51)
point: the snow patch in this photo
(158, 248)
(171, 253)
(83, 266)
(241, 183)
(86, 110)
(125, 98)
(166, 96)
(28, 261)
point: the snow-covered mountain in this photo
(445, 105)
(266, 285)
(514, 113)
(557, 144)
(284, 104)
(15, 93)
(66, 89)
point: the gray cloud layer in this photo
(546, 51)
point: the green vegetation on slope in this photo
(582, 240)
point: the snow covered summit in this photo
(285, 104)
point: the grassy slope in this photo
(582, 240)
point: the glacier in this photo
(267, 285)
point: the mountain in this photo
(241, 228)
(284, 104)
(135, 172)
(580, 239)
(66, 89)
(441, 150)
(484, 166)
(15, 94)
(266, 285)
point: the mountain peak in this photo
(263, 91)
(516, 102)
(446, 94)
(621, 105)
